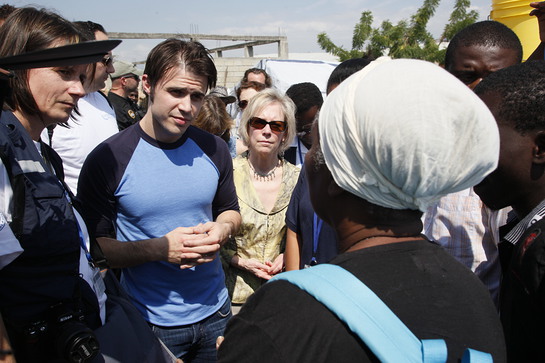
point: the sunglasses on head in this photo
(107, 60)
(135, 77)
(259, 123)
(242, 104)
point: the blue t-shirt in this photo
(133, 187)
(300, 219)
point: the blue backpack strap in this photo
(434, 350)
(376, 325)
(475, 356)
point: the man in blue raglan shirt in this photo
(160, 200)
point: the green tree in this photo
(459, 19)
(406, 39)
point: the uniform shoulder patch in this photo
(528, 242)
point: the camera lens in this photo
(76, 342)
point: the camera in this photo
(65, 330)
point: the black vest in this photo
(47, 272)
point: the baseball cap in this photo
(221, 92)
(123, 68)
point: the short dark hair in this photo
(28, 29)
(268, 81)
(522, 91)
(252, 84)
(6, 10)
(305, 95)
(488, 33)
(89, 28)
(345, 70)
(170, 53)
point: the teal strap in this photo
(434, 350)
(378, 327)
(475, 356)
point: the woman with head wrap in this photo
(392, 138)
(264, 183)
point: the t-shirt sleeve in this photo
(226, 195)
(97, 184)
(292, 213)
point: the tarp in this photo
(285, 73)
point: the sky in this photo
(299, 20)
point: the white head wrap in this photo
(402, 133)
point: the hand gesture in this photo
(257, 268)
(539, 12)
(277, 265)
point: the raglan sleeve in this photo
(96, 191)
(226, 195)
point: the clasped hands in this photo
(262, 270)
(192, 246)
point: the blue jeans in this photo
(196, 342)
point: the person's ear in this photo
(538, 156)
(146, 87)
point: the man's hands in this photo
(262, 270)
(183, 246)
(192, 246)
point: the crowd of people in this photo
(159, 232)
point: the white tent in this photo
(285, 73)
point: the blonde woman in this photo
(264, 183)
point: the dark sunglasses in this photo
(133, 76)
(242, 104)
(259, 123)
(107, 60)
(304, 133)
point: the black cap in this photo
(66, 55)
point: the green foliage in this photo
(406, 39)
(362, 30)
(459, 19)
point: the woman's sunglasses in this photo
(107, 60)
(242, 104)
(259, 123)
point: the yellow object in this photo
(514, 14)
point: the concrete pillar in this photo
(249, 51)
(283, 48)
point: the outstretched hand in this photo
(539, 12)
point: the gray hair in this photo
(258, 103)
